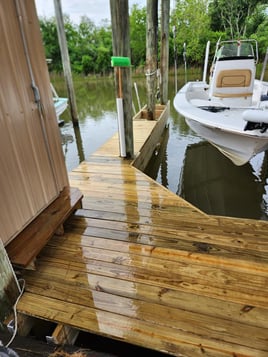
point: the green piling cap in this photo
(120, 61)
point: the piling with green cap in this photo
(118, 63)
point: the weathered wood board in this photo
(9, 289)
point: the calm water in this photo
(185, 164)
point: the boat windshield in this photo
(233, 49)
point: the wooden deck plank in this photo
(199, 324)
(138, 331)
(48, 284)
(196, 233)
(141, 265)
(166, 249)
(196, 277)
(148, 213)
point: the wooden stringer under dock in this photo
(139, 264)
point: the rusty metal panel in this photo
(32, 167)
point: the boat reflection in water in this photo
(211, 182)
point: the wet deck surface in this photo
(138, 264)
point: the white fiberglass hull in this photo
(60, 105)
(239, 148)
(223, 128)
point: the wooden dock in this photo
(139, 264)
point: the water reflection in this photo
(177, 162)
(211, 182)
(158, 165)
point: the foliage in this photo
(90, 47)
(191, 19)
(194, 21)
(138, 35)
(261, 36)
(233, 17)
(52, 50)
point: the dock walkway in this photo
(139, 264)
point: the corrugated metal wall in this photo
(32, 167)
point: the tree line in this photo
(192, 24)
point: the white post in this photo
(121, 127)
(206, 62)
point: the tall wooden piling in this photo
(164, 60)
(121, 48)
(151, 55)
(66, 61)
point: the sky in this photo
(96, 10)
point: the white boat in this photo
(231, 111)
(60, 104)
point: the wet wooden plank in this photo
(195, 233)
(151, 212)
(142, 332)
(52, 286)
(198, 277)
(180, 249)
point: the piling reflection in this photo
(79, 144)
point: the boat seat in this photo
(233, 83)
(233, 95)
(234, 78)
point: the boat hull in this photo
(239, 148)
(60, 105)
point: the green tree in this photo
(104, 49)
(261, 35)
(192, 23)
(137, 20)
(233, 17)
(94, 46)
(195, 22)
(50, 40)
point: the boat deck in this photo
(139, 264)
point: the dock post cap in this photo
(120, 61)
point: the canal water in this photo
(185, 163)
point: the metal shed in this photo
(32, 166)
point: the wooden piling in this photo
(151, 56)
(121, 48)
(164, 61)
(66, 61)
